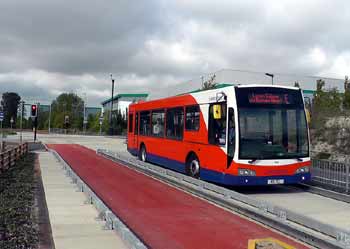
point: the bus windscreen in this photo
(272, 123)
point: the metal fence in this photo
(331, 173)
(74, 132)
(9, 157)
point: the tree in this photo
(346, 99)
(296, 84)
(325, 104)
(10, 102)
(67, 104)
(210, 83)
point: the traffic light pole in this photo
(35, 127)
(34, 113)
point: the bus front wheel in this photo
(193, 166)
(143, 153)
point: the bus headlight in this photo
(246, 172)
(303, 170)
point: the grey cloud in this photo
(76, 44)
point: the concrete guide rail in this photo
(311, 231)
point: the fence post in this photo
(1, 161)
(347, 178)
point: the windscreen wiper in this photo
(299, 159)
(253, 160)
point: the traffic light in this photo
(34, 110)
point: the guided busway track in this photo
(295, 224)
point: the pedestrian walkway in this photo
(74, 223)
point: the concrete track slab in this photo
(74, 224)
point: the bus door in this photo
(132, 143)
(231, 137)
(218, 131)
(136, 131)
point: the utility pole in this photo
(110, 114)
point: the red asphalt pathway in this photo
(163, 217)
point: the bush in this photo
(323, 155)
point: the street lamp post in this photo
(50, 119)
(85, 118)
(270, 75)
(21, 122)
(110, 114)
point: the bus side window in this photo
(192, 118)
(131, 122)
(175, 123)
(231, 132)
(158, 123)
(145, 120)
(136, 123)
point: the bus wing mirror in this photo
(217, 111)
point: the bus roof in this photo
(187, 98)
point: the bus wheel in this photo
(193, 166)
(143, 153)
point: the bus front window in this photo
(268, 133)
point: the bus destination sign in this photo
(269, 98)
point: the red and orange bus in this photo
(235, 135)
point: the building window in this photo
(145, 120)
(158, 123)
(192, 118)
(130, 122)
(175, 123)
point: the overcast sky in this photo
(49, 47)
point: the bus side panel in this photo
(166, 152)
(214, 158)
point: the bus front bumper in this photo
(228, 179)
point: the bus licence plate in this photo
(275, 181)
